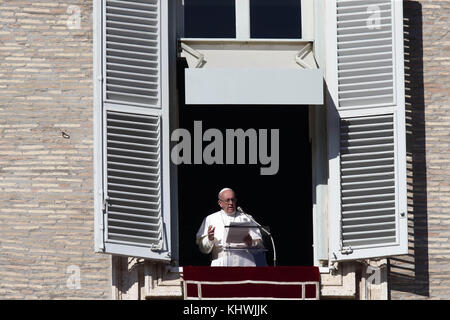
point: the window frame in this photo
(243, 20)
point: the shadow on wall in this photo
(409, 274)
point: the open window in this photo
(283, 201)
(135, 188)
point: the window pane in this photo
(209, 19)
(275, 19)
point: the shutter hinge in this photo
(347, 250)
(156, 248)
(105, 204)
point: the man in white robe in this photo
(210, 236)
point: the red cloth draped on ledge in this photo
(251, 282)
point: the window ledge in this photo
(334, 283)
(250, 41)
(251, 72)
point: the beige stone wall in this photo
(46, 177)
(425, 272)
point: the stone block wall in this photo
(425, 272)
(46, 148)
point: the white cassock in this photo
(219, 256)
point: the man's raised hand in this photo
(211, 233)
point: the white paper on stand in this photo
(237, 231)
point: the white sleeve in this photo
(255, 233)
(205, 245)
(257, 240)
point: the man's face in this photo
(227, 201)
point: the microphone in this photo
(263, 229)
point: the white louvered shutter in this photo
(367, 131)
(132, 52)
(134, 218)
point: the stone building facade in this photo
(424, 272)
(46, 163)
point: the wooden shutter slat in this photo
(131, 185)
(364, 177)
(364, 213)
(386, 217)
(136, 152)
(344, 30)
(128, 3)
(129, 216)
(376, 226)
(117, 172)
(131, 222)
(358, 8)
(132, 239)
(135, 211)
(146, 197)
(370, 241)
(119, 199)
(366, 184)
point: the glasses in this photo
(230, 200)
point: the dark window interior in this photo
(209, 19)
(272, 19)
(275, 19)
(282, 201)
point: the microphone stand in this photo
(263, 229)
